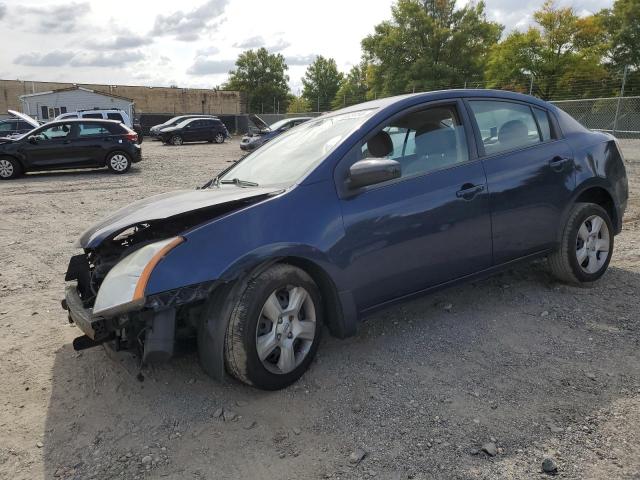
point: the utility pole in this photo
(318, 103)
(531, 85)
(624, 80)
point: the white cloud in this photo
(188, 26)
(196, 42)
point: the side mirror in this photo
(33, 139)
(371, 171)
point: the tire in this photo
(140, 135)
(118, 162)
(579, 261)
(176, 140)
(250, 332)
(219, 138)
(10, 168)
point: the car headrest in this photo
(431, 142)
(513, 132)
(380, 145)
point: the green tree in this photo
(321, 81)
(298, 105)
(622, 24)
(428, 44)
(562, 53)
(353, 88)
(262, 77)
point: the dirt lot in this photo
(533, 366)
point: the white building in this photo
(48, 105)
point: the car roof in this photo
(412, 98)
(84, 120)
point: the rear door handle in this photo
(557, 163)
(468, 191)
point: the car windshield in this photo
(289, 156)
(278, 124)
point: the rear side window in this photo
(505, 126)
(93, 129)
(7, 126)
(91, 115)
(115, 116)
(543, 123)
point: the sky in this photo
(194, 43)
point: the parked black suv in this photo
(195, 130)
(14, 126)
(70, 144)
(172, 122)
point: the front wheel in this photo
(118, 162)
(176, 140)
(586, 245)
(274, 329)
(219, 138)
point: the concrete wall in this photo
(146, 99)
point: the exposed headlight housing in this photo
(122, 290)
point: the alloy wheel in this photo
(286, 329)
(6, 168)
(119, 162)
(592, 244)
(176, 140)
(219, 138)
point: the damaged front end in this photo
(107, 296)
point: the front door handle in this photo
(557, 163)
(469, 190)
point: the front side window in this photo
(505, 126)
(7, 126)
(55, 132)
(286, 158)
(421, 141)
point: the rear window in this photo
(91, 115)
(543, 123)
(115, 116)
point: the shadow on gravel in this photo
(518, 357)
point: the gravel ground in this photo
(485, 380)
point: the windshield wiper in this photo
(240, 183)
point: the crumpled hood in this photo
(170, 204)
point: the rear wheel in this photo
(119, 162)
(274, 329)
(219, 138)
(176, 140)
(586, 246)
(9, 168)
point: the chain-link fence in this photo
(618, 115)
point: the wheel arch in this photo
(339, 308)
(15, 157)
(599, 194)
(332, 304)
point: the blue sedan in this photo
(343, 215)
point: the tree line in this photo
(431, 44)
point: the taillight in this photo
(131, 136)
